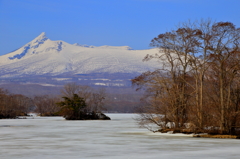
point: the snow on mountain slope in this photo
(42, 56)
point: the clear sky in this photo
(104, 22)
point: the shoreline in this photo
(199, 135)
(203, 135)
(217, 136)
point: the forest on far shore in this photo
(97, 100)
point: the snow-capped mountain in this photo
(44, 57)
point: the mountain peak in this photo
(34, 44)
(40, 38)
(42, 34)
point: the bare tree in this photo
(70, 89)
(224, 54)
(97, 99)
(46, 105)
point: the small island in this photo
(75, 108)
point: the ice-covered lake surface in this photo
(119, 138)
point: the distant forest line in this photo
(12, 105)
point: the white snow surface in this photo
(44, 56)
(119, 138)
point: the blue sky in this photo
(104, 22)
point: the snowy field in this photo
(119, 138)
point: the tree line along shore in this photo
(76, 102)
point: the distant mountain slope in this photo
(43, 57)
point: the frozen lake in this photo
(119, 138)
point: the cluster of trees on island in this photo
(77, 102)
(197, 88)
